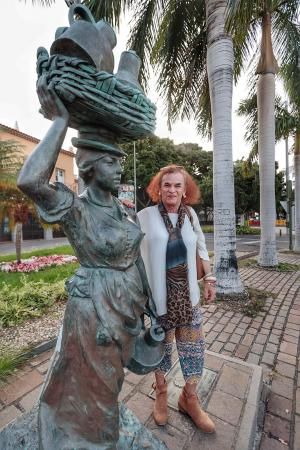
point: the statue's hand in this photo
(51, 105)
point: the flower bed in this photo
(36, 263)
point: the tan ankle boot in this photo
(188, 403)
(160, 411)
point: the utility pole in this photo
(288, 194)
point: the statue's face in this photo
(107, 172)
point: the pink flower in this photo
(36, 263)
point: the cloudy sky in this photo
(24, 28)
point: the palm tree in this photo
(287, 123)
(13, 204)
(277, 22)
(179, 38)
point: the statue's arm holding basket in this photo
(36, 173)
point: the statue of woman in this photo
(107, 295)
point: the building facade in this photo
(63, 172)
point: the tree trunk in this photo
(297, 191)
(18, 241)
(266, 146)
(220, 75)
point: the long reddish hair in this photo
(192, 192)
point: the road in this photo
(248, 243)
(245, 243)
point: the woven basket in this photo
(98, 98)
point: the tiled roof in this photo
(18, 133)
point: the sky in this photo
(24, 28)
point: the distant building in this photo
(63, 172)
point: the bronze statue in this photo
(102, 328)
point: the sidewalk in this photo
(269, 342)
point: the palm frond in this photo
(148, 16)
(110, 10)
(180, 56)
(286, 36)
(242, 22)
(41, 2)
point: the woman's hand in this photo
(51, 105)
(209, 292)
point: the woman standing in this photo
(172, 237)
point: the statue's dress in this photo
(78, 406)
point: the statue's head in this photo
(98, 157)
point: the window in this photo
(60, 175)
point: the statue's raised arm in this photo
(36, 173)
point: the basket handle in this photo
(81, 11)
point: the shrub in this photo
(244, 229)
(30, 299)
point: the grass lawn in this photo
(60, 250)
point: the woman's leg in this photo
(190, 344)
(160, 410)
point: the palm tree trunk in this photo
(220, 75)
(267, 68)
(297, 191)
(18, 241)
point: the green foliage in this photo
(9, 361)
(154, 153)
(287, 267)
(246, 184)
(30, 299)
(49, 275)
(244, 229)
(207, 228)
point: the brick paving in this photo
(270, 340)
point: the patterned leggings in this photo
(190, 345)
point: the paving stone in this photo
(292, 339)
(211, 337)
(216, 346)
(268, 358)
(20, 387)
(294, 319)
(233, 381)
(133, 378)
(219, 327)
(252, 331)
(235, 338)
(283, 386)
(297, 433)
(286, 358)
(272, 348)
(261, 339)
(284, 369)
(229, 328)
(30, 400)
(126, 390)
(241, 351)
(239, 331)
(268, 443)
(223, 337)
(257, 348)
(291, 332)
(39, 359)
(289, 348)
(280, 406)
(213, 362)
(297, 408)
(277, 427)
(225, 407)
(145, 385)
(230, 347)
(181, 421)
(223, 439)
(8, 414)
(173, 438)
(43, 368)
(247, 340)
(274, 339)
(141, 406)
(252, 358)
